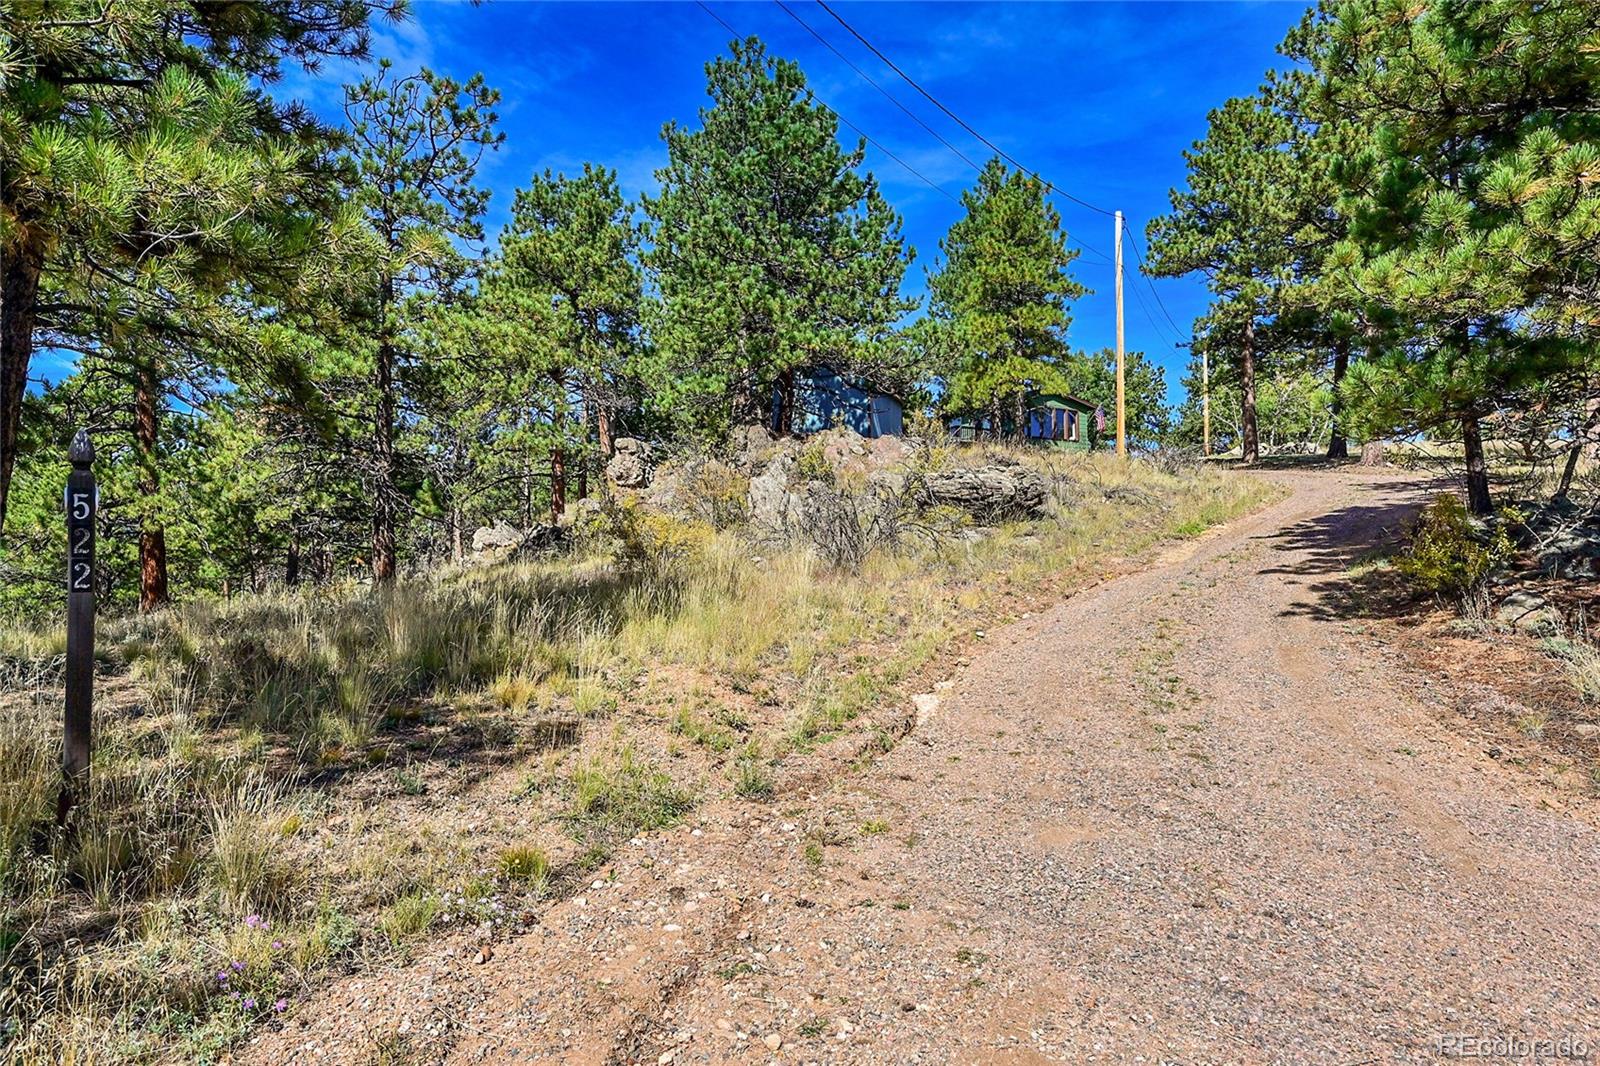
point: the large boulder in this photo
(750, 447)
(988, 493)
(500, 538)
(775, 509)
(1528, 611)
(1566, 538)
(631, 463)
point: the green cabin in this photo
(1055, 420)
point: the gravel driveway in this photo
(1191, 815)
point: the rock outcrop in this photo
(631, 464)
(502, 538)
(988, 493)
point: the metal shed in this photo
(822, 398)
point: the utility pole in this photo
(1122, 421)
(1205, 401)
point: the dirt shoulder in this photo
(1195, 813)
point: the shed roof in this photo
(852, 379)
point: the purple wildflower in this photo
(238, 967)
(249, 1004)
(277, 945)
(281, 1006)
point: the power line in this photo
(1151, 286)
(957, 119)
(1156, 329)
(859, 131)
(864, 76)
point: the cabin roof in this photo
(1059, 399)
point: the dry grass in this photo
(297, 781)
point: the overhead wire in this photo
(864, 76)
(1177, 329)
(957, 119)
(958, 153)
(858, 130)
(1050, 187)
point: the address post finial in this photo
(81, 452)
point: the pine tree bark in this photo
(1478, 499)
(20, 268)
(558, 484)
(1338, 444)
(1249, 433)
(603, 429)
(146, 438)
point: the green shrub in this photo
(409, 915)
(715, 493)
(624, 796)
(1449, 559)
(526, 863)
(752, 780)
(811, 464)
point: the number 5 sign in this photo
(82, 501)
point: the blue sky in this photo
(1100, 98)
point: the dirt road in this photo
(1191, 815)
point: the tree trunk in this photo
(785, 425)
(1570, 470)
(1478, 500)
(1592, 407)
(603, 428)
(291, 561)
(146, 437)
(558, 483)
(385, 489)
(1338, 445)
(1249, 435)
(457, 552)
(1583, 435)
(19, 290)
(603, 434)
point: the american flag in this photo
(1099, 419)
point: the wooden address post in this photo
(82, 502)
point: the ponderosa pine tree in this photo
(1236, 224)
(572, 246)
(769, 247)
(417, 142)
(1473, 106)
(1000, 309)
(143, 169)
